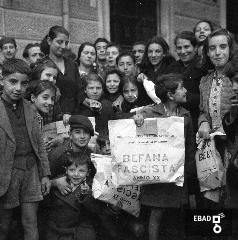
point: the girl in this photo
(154, 63)
(68, 80)
(170, 90)
(201, 30)
(215, 93)
(46, 70)
(86, 58)
(43, 95)
(189, 65)
(113, 88)
(70, 216)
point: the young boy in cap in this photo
(23, 159)
(81, 130)
(8, 47)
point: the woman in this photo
(154, 63)
(189, 66)
(216, 88)
(54, 45)
(86, 58)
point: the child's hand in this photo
(63, 186)
(45, 186)
(117, 103)
(139, 119)
(66, 119)
(95, 105)
(204, 130)
(141, 77)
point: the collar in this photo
(13, 106)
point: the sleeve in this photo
(190, 163)
(204, 116)
(80, 86)
(44, 167)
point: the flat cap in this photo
(80, 121)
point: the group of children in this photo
(107, 84)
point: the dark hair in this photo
(40, 66)
(53, 32)
(25, 53)
(125, 54)
(129, 79)
(210, 23)
(120, 75)
(218, 32)
(92, 77)
(68, 53)
(114, 45)
(76, 158)
(188, 35)
(5, 40)
(15, 65)
(101, 40)
(145, 63)
(81, 48)
(167, 83)
(139, 43)
(37, 87)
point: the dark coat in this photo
(192, 75)
(168, 194)
(71, 87)
(231, 130)
(102, 117)
(8, 144)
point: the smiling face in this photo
(88, 56)
(155, 53)
(112, 83)
(77, 174)
(185, 50)
(49, 74)
(111, 55)
(126, 65)
(58, 44)
(79, 137)
(219, 51)
(9, 51)
(44, 101)
(202, 30)
(14, 87)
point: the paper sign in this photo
(124, 197)
(155, 157)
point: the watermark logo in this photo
(207, 222)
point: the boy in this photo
(101, 45)
(138, 50)
(23, 159)
(99, 108)
(8, 47)
(81, 130)
(32, 53)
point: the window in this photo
(132, 20)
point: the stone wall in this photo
(30, 20)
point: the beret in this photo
(80, 121)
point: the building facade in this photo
(30, 20)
